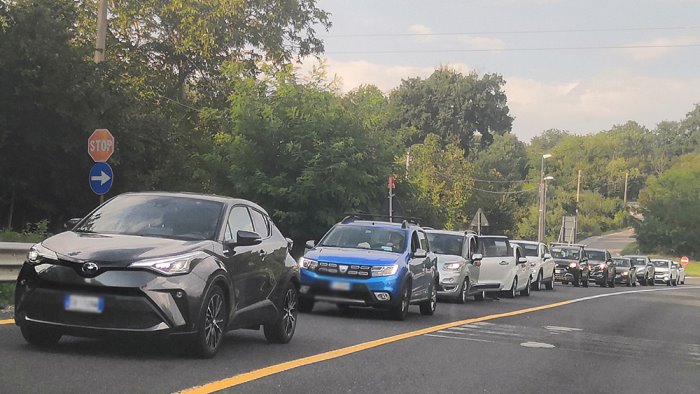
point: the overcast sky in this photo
(579, 87)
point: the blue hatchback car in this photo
(370, 263)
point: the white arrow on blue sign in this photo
(100, 178)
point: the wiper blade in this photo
(84, 231)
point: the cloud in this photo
(352, 74)
(658, 47)
(597, 103)
(455, 41)
(422, 29)
(580, 106)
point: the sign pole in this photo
(478, 223)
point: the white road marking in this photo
(562, 329)
(537, 345)
(462, 338)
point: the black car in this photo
(571, 264)
(188, 266)
(602, 267)
(625, 271)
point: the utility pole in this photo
(101, 31)
(625, 198)
(541, 221)
(578, 189)
(578, 196)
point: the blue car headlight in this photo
(385, 270)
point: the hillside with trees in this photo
(218, 107)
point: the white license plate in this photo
(345, 286)
(88, 304)
(559, 271)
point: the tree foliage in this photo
(671, 207)
(454, 107)
(441, 181)
(301, 151)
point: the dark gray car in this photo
(186, 265)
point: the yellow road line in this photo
(317, 358)
(8, 321)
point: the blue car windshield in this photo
(156, 216)
(366, 237)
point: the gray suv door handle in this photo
(503, 263)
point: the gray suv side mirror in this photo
(420, 253)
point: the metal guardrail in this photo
(12, 256)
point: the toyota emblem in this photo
(89, 268)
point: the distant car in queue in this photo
(625, 271)
(681, 273)
(571, 264)
(602, 267)
(665, 272)
(645, 269)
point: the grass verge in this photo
(7, 294)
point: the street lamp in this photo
(544, 204)
(540, 223)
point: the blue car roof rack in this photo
(351, 217)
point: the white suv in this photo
(541, 263)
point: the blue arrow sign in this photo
(101, 178)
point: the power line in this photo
(545, 31)
(507, 192)
(503, 181)
(531, 49)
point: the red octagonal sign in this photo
(101, 145)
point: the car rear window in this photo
(494, 247)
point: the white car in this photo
(665, 272)
(503, 266)
(681, 273)
(541, 263)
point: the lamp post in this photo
(544, 206)
(540, 221)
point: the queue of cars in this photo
(193, 266)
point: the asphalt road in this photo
(614, 242)
(641, 342)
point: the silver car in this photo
(681, 273)
(665, 272)
(458, 269)
(645, 269)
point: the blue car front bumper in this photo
(361, 292)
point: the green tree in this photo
(299, 150)
(441, 184)
(454, 107)
(189, 40)
(671, 207)
(501, 188)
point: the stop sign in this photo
(684, 260)
(100, 145)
